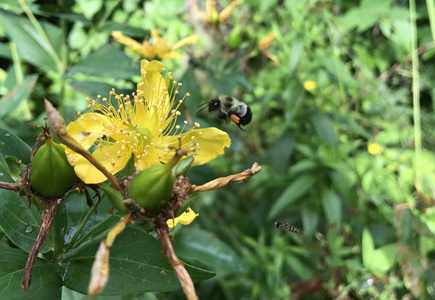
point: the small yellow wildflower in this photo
(158, 48)
(211, 16)
(310, 85)
(264, 45)
(185, 218)
(144, 126)
(374, 148)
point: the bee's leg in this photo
(240, 127)
(223, 116)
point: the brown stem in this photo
(220, 182)
(180, 271)
(48, 213)
(9, 186)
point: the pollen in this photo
(235, 119)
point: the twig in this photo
(47, 217)
(9, 186)
(220, 182)
(180, 271)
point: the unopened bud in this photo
(51, 175)
(152, 188)
(115, 197)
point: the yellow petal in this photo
(155, 33)
(186, 41)
(171, 55)
(212, 142)
(226, 12)
(129, 42)
(309, 85)
(108, 156)
(185, 218)
(374, 148)
(152, 87)
(87, 128)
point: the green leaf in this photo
(324, 128)
(106, 62)
(46, 283)
(5, 51)
(279, 154)
(295, 57)
(128, 30)
(5, 172)
(20, 222)
(137, 254)
(310, 219)
(194, 244)
(30, 44)
(68, 294)
(368, 247)
(383, 259)
(11, 101)
(293, 192)
(11, 145)
(332, 207)
(99, 223)
(301, 269)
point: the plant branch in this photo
(180, 271)
(50, 206)
(10, 186)
(220, 182)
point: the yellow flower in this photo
(264, 45)
(143, 126)
(157, 49)
(310, 85)
(185, 218)
(374, 148)
(211, 15)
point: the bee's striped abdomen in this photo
(285, 226)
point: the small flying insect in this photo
(285, 226)
(230, 109)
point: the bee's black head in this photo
(214, 104)
(277, 224)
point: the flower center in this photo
(139, 137)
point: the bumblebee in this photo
(285, 226)
(230, 109)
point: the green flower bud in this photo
(51, 175)
(152, 188)
(235, 37)
(115, 197)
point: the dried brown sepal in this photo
(58, 127)
(180, 271)
(50, 206)
(220, 182)
(100, 268)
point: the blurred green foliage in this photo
(367, 220)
